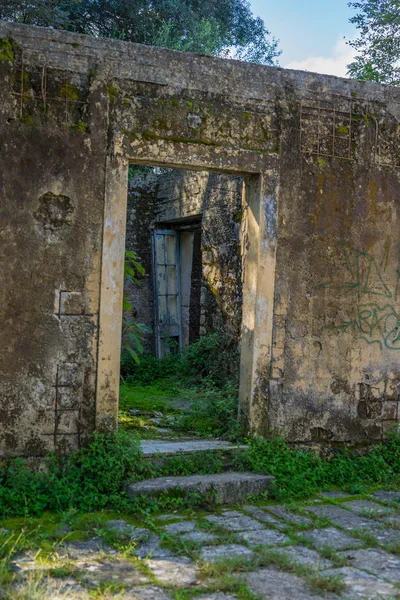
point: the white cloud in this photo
(342, 55)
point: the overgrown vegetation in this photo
(206, 374)
(88, 479)
(93, 478)
(132, 332)
(300, 474)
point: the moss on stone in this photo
(6, 50)
(112, 92)
(69, 91)
(343, 130)
(80, 126)
(27, 120)
(246, 115)
(321, 162)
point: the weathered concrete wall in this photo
(337, 329)
(214, 298)
(217, 198)
(320, 160)
(51, 214)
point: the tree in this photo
(378, 44)
(218, 27)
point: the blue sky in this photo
(310, 31)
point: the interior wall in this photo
(211, 260)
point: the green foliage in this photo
(378, 44)
(213, 412)
(207, 373)
(132, 332)
(88, 479)
(6, 50)
(300, 474)
(210, 27)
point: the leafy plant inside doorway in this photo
(204, 377)
(132, 332)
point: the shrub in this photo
(299, 474)
(88, 479)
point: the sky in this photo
(311, 33)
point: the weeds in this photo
(300, 474)
(87, 479)
(206, 374)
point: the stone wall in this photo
(319, 232)
(174, 198)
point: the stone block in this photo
(226, 488)
(390, 410)
(67, 422)
(68, 399)
(72, 303)
(70, 374)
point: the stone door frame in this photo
(259, 205)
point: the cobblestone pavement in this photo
(334, 546)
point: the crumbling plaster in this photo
(320, 235)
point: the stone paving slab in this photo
(151, 549)
(287, 515)
(215, 553)
(180, 572)
(217, 596)
(385, 537)
(332, 537)
(120, 571)
(94, 547)
(305, 556)
(265, 537)
(154, 447)
(376, 561)
(145, 593)
(242, 523)
(363, 506)
(170, 517)
(334, 494)
(271, 584)
(363, 586)
(200, 537)
(387, 496)
(342, 517)
(55, 589)
(123, 529)
(182, 527)
(263, 516)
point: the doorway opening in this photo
(186, 228)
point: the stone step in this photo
(152, 448)
(223, 488)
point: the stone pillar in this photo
(259, 260)
(112, 287)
